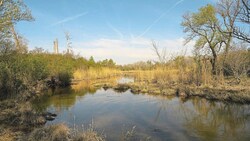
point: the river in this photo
(156, 118)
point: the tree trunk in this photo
(228, 43)
(15, 37)
(214, 61)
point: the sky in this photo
(118, 29)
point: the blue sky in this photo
(117, 29)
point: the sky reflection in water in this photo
(157, 117)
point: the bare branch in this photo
(241, 35)
(156, 50)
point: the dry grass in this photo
(94, 84)
(95, 73)
(88, 135)
(7, 135)
(19, 114)
(59, 132)
(158, 75)
(171, 81)
(16, 119)
(129, 135)
(171, 76)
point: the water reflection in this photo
(217, 121)
(64, 98)
(158, 117)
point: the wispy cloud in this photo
(118, 32)
(129, 50)
(159, 18)
(69, 19)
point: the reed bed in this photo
(95, 73)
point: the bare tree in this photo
(68, 42)
(161, 56)
(245, 12)
(244, 18)
(11, 12)
(229, 11)
(38, 50)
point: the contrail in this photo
(118, 32)
(159, 18)
(70, 18)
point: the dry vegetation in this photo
(220, 65)
(193, 76)
(190, 76)
(61, 132)
(96, 73)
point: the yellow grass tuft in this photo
(59, 132)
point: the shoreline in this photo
(223, 94)
(26, 117)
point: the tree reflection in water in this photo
(210, 120)
(65, 98)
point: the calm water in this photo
(157, 117)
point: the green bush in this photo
(20, 72)
(64, 78)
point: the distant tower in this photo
(56, 46)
